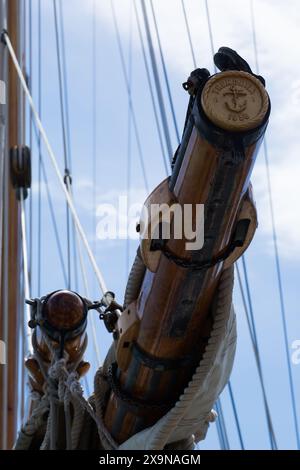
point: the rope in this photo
(165, 159)
(30, 133)
(52, 215)
(259, 367)
(67, 179)
(210, 32)
(94, 121)
(55, 165)
(157, 83)
(39, 234)
(188, 33)
(87, 294)
(136, 131)
(129, 143)
(59, 382)
(276, 253)
(236, 416)
(165, 73)
(221, 427)
(174, 416)
(67, 122)
(35, 421)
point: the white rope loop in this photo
(55, 165)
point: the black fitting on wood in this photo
(20, 169)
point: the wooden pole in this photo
(11, 264)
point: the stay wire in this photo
(236, 416)
(94, 123)
(135, 126)
(258, 364)
(30, 136)
(157, 83)
(160, 137)
(167, 81)
(39, 234)
(67, 127)
(129, 145)
(210, 31)
(52, 213)
(53, 160)
(188, 33)
(67, 177)
(276, 254)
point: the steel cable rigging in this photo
(132, 110)
(250, 318)
(67, 174)
(276, 252)
(166, 161)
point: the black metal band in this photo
(158, 364)
(127, 399)
(237, 241)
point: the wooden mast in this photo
(10, 304)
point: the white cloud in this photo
(277, 35)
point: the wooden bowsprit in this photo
(163, 331)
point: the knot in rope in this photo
(57, 371)
(73, 384)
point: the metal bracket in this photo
(20, 169)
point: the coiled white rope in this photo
(55, 164)
(224, 299)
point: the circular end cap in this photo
(64, 310)
(235, 101)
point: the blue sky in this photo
(278, 43)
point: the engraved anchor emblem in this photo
(235, 104)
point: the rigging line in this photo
(39, 150)
(276, 253)
(157, 83)
(87, 293)
(236, 416)
(129, 156)
(188, 33)
(62, 110)
(52, 214)
(67, 127)
(137, 136)
(94, 125)
(223, 425)
(268, 415)
(22, 322)
(258, 365)
(210, 32)
(56, 233)
(252, 320)
(65, 86)
(165, 159)
(167, 81)
(67, 178)
(30, 135)
(221, 428)
(54, 164)
(25, 272)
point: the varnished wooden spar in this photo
(10, 292)
(163, 332)
(59, 326)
